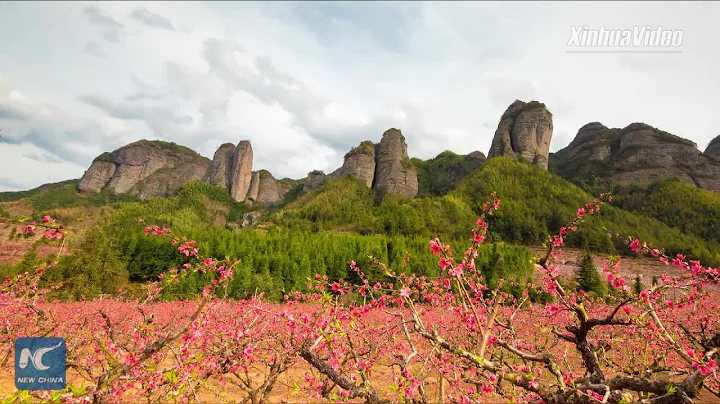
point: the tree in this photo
(588, 277)
(95, 268)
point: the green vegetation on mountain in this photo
(690, 209)
(347, 205)
(62, 195)
(323, 230)
(11, 196)
(440, 175)
(536, 203)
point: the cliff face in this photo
(150, 168)
(713, 149)
(144, 169)
(254, 187)
(315, 179)
(360, 163)
(394, 173)
(638, 154)
(220, 171)
(241, 171)
(524, 132)
(384, 167)
(98, 175)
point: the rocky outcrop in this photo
(241, 171)
(269, 190)
(220, 171)
(713, 148)
(360, 163)
(254, 187)
(524, 132)
(394, 173)
(144, 169)
(98, 175)
(315, 179)
(286, 185)
(251, 218)
(637, 154)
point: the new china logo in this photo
(40, 363)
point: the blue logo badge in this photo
(40, 363)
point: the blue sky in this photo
(306, 81)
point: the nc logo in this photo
(27, 357)
(40, 363)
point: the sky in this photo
(304, 81)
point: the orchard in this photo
(410, 339)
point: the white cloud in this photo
(305, 81)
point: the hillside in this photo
(380, 203)
(321, 230)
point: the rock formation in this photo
(524, 132)
(394, 173)
(251, 218)
(254, 187)
(713, 148)
(241, 171)
(315, 179)
(638, 154)
(144, 169)
(98, 175)
(358, 162)
(220, 171)
(286, 185)
(270, 191)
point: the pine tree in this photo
(588, 277)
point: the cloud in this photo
(95, 49)
(8, 185)
(305, 81)
(147, 17)
(42, 158)
(8, 112)
(112, 29)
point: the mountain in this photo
(384, 167)
(382, 203)
(638, 154)
(524, 133)
(713, 148)
(144, 169)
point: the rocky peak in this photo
(144, 169)
(713, 148)
(315, 179)
(477, 155)
(269, 190)
(241, 171)
(394, 173)
(524, 132)
(588, 131)
(358, 162)
(220, 171)
(637, 154)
